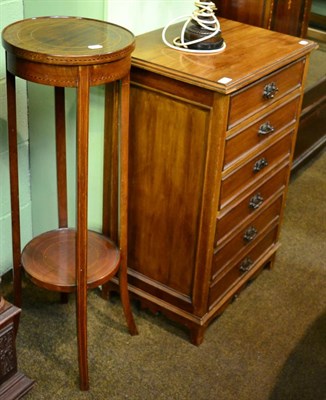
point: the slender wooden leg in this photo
(123, 284)
(110, 167)
(60, 129)
(14, 187)
(60, 125)
(124, 151)
(82, 233)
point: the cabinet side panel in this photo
(168, 142)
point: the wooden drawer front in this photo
(265, 92)
(246, 236)
(242, 267)
(248, 174)
(256, 134)
(257, 199)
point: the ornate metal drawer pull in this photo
(256, 201)
(246, 264)
(250, 234)
(265, 129)
(260, 164)
(270, 90)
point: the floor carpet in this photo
(270, 344)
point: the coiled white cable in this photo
(204, 11)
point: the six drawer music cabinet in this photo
(211, 144)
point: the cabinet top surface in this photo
(250, 53)
(67, 40)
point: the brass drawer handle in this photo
(256, 201)
(265, 129)
(250, 234)
(260, 164)
(246, 265)
(270, 90)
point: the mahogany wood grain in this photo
(245, 207)
(14, 184)
(68, 41)
(231, 276)
(124, 209)
(252, 12)
(236, 182)
(49, 259)
(60, 140)
(110, 167)
(83, 93)
(290, 17)
(249, 139)
(235, 62)
(252, 98)
(254, 228)
(183, 198)
(60, 123)
(79, 53)
(153, 192)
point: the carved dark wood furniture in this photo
(13, 384)
(79, 53)
(211, 144)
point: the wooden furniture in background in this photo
(13, 384)
(291, 17)
(80, 53)
(253, 12)
(211, 144)
(317, 18)
(311, 138)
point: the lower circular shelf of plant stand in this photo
(49, 260)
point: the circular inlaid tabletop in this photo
(67, 40)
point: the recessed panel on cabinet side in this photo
(168, 152)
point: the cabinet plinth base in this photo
(195, 325)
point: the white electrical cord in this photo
(204, 11)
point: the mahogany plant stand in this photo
(78, 53)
